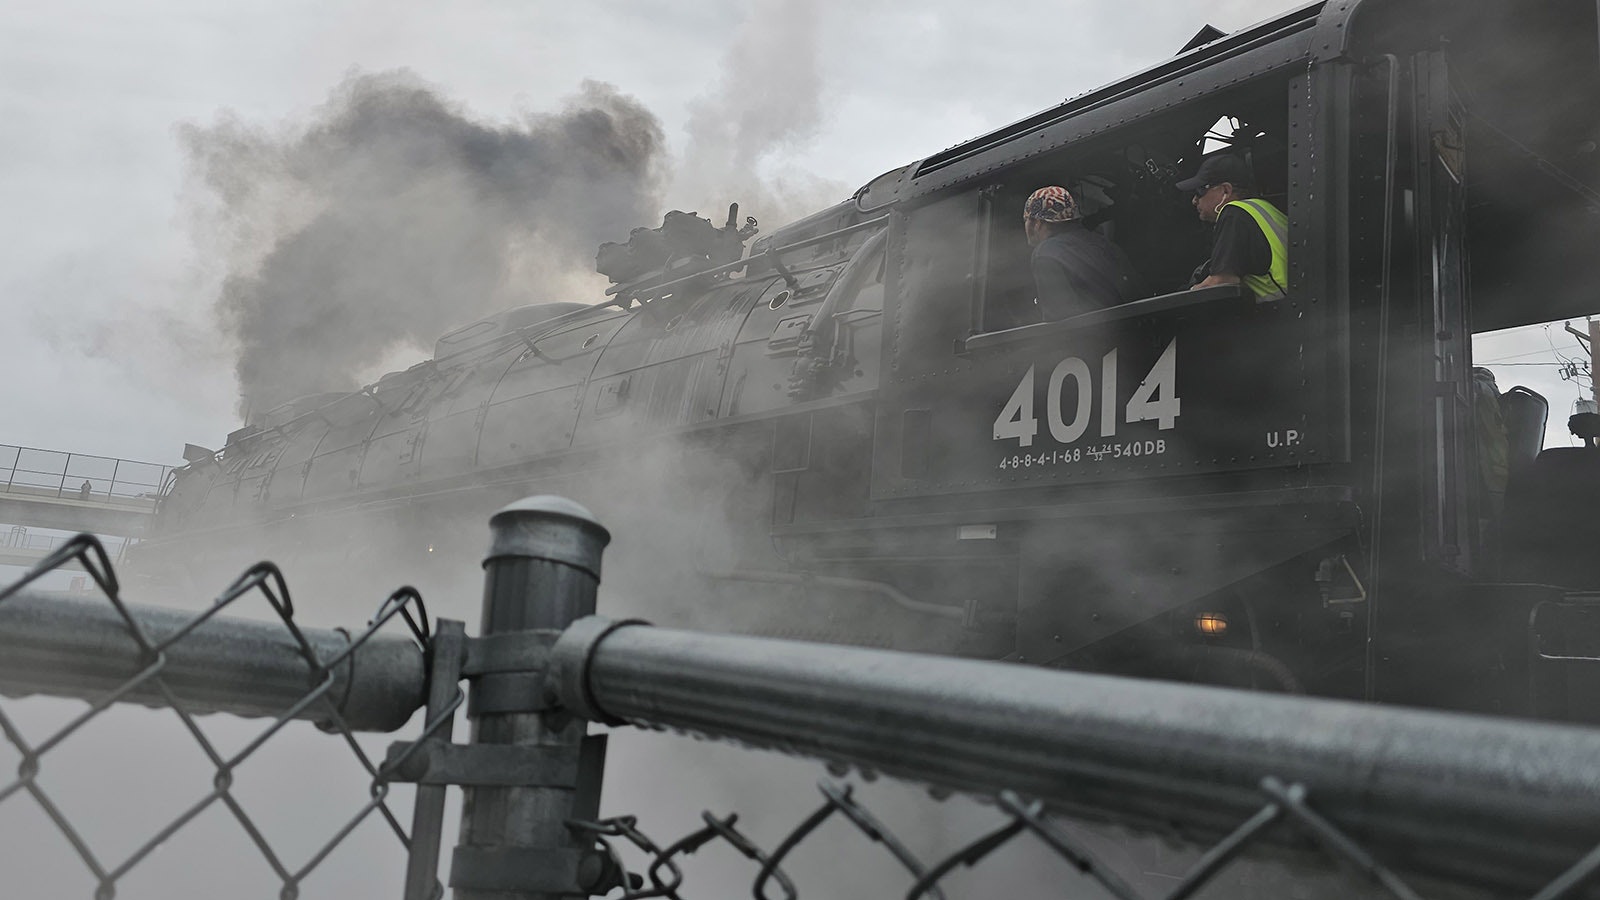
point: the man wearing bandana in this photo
(1075, 270)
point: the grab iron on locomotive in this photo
(1301, 491)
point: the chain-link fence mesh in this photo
(210, 784)
(618, 855)
(656, 868)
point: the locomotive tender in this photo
(1198, 485)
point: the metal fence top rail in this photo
(1500, 799)
(84, 648)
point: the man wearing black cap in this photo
(1251, 245)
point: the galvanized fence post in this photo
(534, 767)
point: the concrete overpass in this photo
(124, 516)
(77, 492)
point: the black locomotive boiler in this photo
(1287, 494)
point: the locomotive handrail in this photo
(853, 272)
(1380, 438)
(1229, 294)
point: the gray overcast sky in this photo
(105, 300)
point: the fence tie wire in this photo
(390, 769)
(627, 828)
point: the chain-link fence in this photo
(106, 651)
(1406, 803)
(660, 869)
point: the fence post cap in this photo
(547, 505)
(549, 527)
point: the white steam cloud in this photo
(768, 99)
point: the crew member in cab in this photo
(1075, 269)
(1251, 246)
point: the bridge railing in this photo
(1406, 802)
(20, 537)
(35, 472)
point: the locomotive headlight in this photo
(1211, 624)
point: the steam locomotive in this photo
(1286, 494)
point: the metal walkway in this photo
(77, 492)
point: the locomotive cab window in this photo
(1129, 222)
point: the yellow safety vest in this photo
(1275, 225)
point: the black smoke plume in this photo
(392, 215)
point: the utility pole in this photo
(1594, 383)
(1586, 342)
(1585, 423)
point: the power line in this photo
(1502, 365)
(1514, 356)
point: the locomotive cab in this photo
(1138, 460)
(1308, 467)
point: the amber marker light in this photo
(1211, 624)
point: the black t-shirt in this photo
(1238, 247)
(1077, 270)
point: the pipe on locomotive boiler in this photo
(82, 649)
(851, 278)
(771, 253)
(1474, 799)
